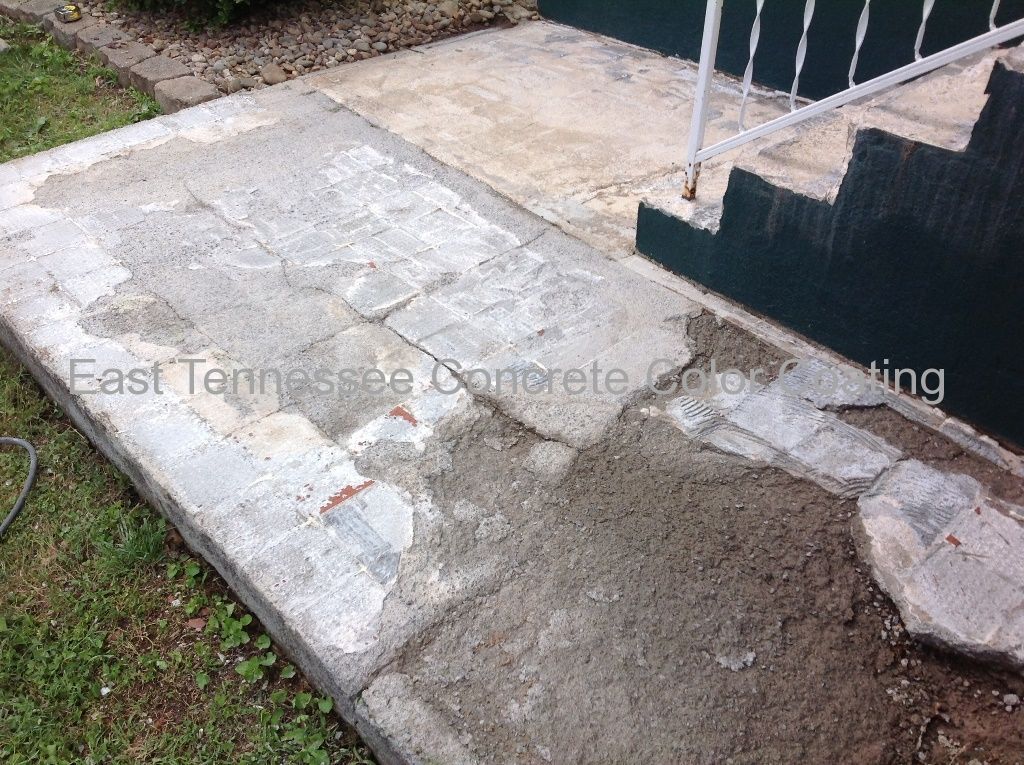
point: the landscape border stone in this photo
(33, 10)
(146, 74)
(96, 36)
(122, 55)
(297, 45)
(183, 92)
(117, 51)
(67, 34)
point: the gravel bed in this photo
(288, 40)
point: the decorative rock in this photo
(303, 41)
(272, 74)
(122, 56)
(146, 74)
(183, 92)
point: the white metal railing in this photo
(697, 153)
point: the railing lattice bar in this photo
(862, 30)
(748, 74)
(801, 53)
(697, 152)
(926, 11)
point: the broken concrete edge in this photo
(929, 633)
(147, 484)
(945, 550)
(183, 95)
(917, 620)
(913, 408)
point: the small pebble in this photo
(306, 38)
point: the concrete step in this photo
(810, 159)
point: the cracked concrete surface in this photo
(488, 575)
(576, 127)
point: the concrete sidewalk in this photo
(482, 575)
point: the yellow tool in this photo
(67, 13)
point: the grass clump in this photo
(50, 96)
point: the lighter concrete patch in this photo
(576, 127)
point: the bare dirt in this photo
(934, 449)
(665, 603)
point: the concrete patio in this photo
(481, 574)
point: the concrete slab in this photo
(576, 127)
(190, 251)
(459, 565)
(579, 128)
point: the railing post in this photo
(702, 94)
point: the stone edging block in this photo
(96, 36)
(146, 74)
(166, 79)
(183, 92)
(122, 55)
(33, 10)
(66, 34)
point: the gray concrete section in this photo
(316, 509)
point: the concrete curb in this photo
(94, 37)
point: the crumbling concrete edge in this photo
(914, 409)
(145, 481)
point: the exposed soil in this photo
(666, 603)
(731, 347)
(934, 449)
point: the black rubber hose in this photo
(33, 467)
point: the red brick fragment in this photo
(345, 494)
(403, 414)
(953, 541)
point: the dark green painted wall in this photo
(919, 261)
(675, 27)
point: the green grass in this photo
(50, 96)
(116, 645)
